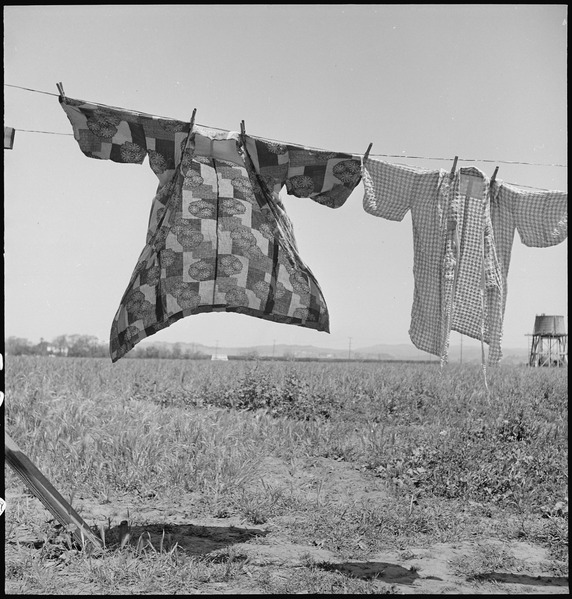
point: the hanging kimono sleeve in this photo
(126, 136)
(328, 178)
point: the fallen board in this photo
(41, 487)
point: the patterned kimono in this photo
(463, 231)
(219, 239)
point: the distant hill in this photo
(405, 351)
(467, 353)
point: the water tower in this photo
(548, 342)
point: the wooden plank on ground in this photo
(41, 487)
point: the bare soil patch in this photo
(268, 550)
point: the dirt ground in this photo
(416, 571)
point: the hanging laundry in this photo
(462, 241)
(539, 216)
(219, 239)
(9, 134)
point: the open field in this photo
(285, 477)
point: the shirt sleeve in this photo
(540, 217)
(391, 189)
(126, 136)
(328, 178)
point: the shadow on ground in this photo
(374, 570)
(548, 581)
(191, 539)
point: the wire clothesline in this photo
(30, 89)
(409, 157)
(45, 132)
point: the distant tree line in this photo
(88, 346)
(73, 346)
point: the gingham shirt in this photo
(219, 239)
(462, 242)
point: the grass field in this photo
(346, 460)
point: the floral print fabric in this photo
(218, 239)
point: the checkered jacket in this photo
(463, 231)
(219, 239)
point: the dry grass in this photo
(457, 463)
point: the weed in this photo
(484, 559)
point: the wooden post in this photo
(48, 495)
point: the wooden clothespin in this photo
(494, 175)
(367, 152)
(452, 174)
(61, 89)
(242, 134)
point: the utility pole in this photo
(350, 349)
(273, 348)
(461, 361)
(216, 348)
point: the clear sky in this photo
(487, 83)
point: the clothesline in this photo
(448, 159)
(46, 132)
(371, 154)
(384, 155)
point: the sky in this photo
(422, 83)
